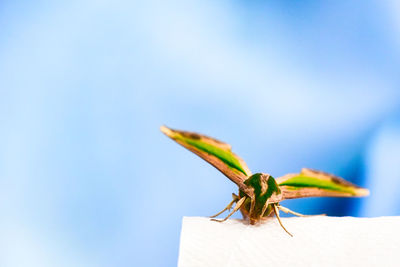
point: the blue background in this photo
(87, 179)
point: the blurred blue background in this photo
(87, 179)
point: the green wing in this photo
(311, 183)
(213, 151)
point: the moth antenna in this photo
(252, 205)
(264, 209)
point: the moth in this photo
(260, 194)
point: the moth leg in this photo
(279, 218)
(286, 210)
(235, 209)
(235, 199)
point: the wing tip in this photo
(165, 130)
(361, 192)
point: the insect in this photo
(260, 194)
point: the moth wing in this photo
(213, 151)
(312, 183)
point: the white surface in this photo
(317, 241)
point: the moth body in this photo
(266, 191)
(260, 193)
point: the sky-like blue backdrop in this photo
(87, 179)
